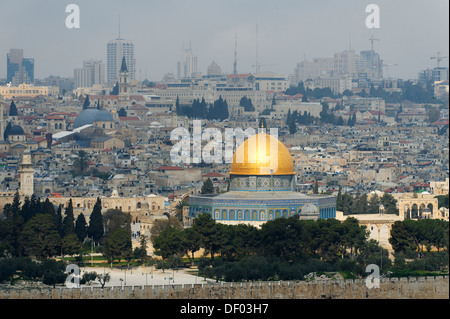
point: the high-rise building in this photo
(93, 72)
(187, 67)
(115, 51)
(19, 69)
(371, 64)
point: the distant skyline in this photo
(288, 31)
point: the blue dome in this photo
(103, 116)
(16, 130)
(89, 116)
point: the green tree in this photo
(118, 245)
(48, 208)
(122, 112)
(40, 238)
(13, 109)
(103, 279)
(81, 227)
(401, 238)
(191, 241)
(86, 102)
(389, 203)
(316, 188)
(68, 226)
(374, 204)
(58, 220)
(169, 243)
(70, 245)
(282, 238)
(53, 272)
(95, 229)
(162, 224)
(292, 126)
(81, 162)
(115, 90)
(208, 187)
(434, 114)
(207, 229)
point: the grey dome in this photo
(89, 116)
(85, 117)
(16, 130)
(103, 116)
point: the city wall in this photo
(389, 288)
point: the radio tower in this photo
(235, 55)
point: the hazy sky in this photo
(288, 31)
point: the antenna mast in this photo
(256, 63)
(235, 54)
(119, 26)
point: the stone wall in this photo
(390, 288)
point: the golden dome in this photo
(255, 157)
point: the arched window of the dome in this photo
(224, 214)
(262, 215)
(232, 215)
(285, 213)
(270, 214)
(254, 215)
(277, 214)
(247, 215)
(217, 214)
(239, 214)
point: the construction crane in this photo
(372, 39)
(438, 58)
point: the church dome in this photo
(253, 157)
(103, 116)
(89, 116)
(16, 130)
(85, 117)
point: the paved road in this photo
(146, 275)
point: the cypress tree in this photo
(86, 102)
(69, 219)
(48, 208)
(95, 228)
(13, 109)
(81, 227)
(316, 188)
(59, 219)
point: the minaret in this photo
(26, 174)
(124, 86)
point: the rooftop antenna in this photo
(350, 41)
(119, 26)
(235, 54)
